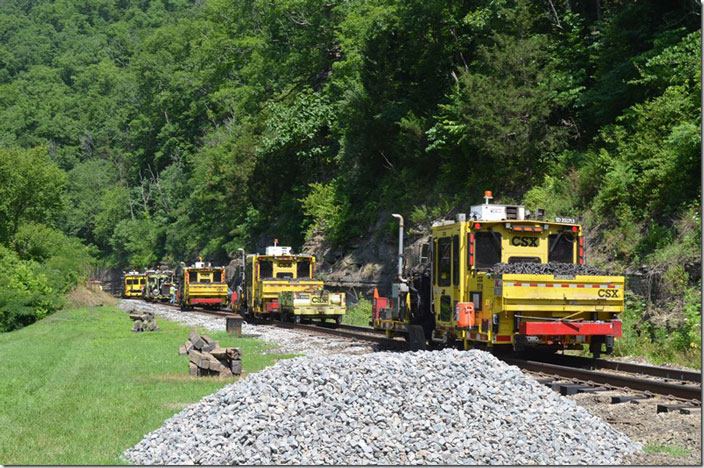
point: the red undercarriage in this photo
(206, 301)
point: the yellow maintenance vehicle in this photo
(133, 283)
(280, 284)
(202, 285)
(158, 285)
(503, 277)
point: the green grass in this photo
(669, 449)
(359, 314)
(79, 388)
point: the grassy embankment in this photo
(79, 388)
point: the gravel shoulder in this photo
(282, 341)
(669, 432)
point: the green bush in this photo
(25, 292)
(359, 314)
(322, 210)
(422, 215)
(680, 343)
(65, 260)
(555, 195)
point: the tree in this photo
(508, 113)
(31, 189)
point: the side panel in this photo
(450, 279)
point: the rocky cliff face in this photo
(366, 264)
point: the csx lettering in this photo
(317, 300)
(520, 241)
(608, 293)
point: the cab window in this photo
(303, 269)
(487, 246)
(445, 261)
(561, 248)
(217, 276)
(456, 260)
(266, 269)
(192, 276)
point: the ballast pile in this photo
(565, 269)
(439, 407)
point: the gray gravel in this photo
(282, 341)
(441, 407)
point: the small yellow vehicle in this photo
(133, 283)
(202, 285)
(501, 278)
(281, 284)
(318, 304)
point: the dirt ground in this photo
(669, 438)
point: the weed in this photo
(669, 449)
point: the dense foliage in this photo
(38, 262)
(192, 129)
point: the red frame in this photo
(571, 328)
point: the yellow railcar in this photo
(133, 284)
(477, 294)
(202, 285)
(282, 284)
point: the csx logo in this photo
(317, 300)
(520, 241)
(608, 293)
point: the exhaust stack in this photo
(244, 262)
(400, 246)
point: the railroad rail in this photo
(680, 390)
(345, 331)
(632, 368)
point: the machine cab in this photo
(466, 249)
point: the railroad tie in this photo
(628, 398)
(573, 389)
(207, 358)
(683, 408)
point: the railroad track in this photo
(667, 373)
(675, 383)
(651, 380)
(675, 388)
(353, 332)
